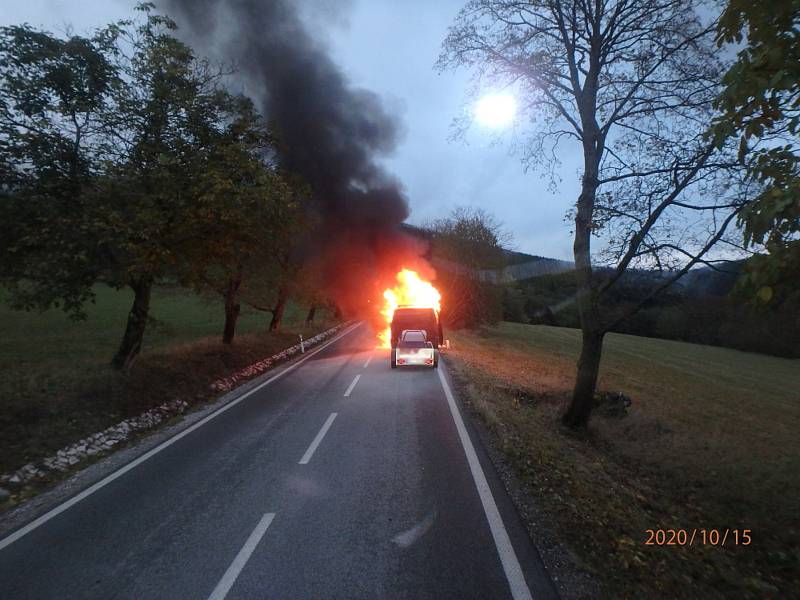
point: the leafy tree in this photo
(248, 258)
(151, 210)
(761, 106)
(468, 248)
(54, 99)
(252, 206)
(278, 272)
(310, 289)
(121, 155)
(630, 85)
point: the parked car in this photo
(414, 349)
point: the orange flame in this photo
(411, 290)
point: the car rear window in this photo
(413, 339)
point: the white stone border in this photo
(228, 383)
(105, 440)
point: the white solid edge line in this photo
(229, 578)
(508, 558)
(135, 463)
(352, 385)
(313, 447)
(369, 358)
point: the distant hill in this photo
(700, 281)
(523, 266)
(705, 281)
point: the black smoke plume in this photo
(329, 132)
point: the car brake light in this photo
(401, 361)
(428, 361)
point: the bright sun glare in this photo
(496, 110)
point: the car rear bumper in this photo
(419, 359)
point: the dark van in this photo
(410, 317)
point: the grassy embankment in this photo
(57, 387)
(710, 441)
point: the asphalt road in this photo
(340, 479)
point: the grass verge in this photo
(58, 387)
(710, 441)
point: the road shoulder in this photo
(562, 566)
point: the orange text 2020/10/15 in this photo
(698, 537)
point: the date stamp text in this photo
(698, 537)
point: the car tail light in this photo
(401, 361)
(428, 361)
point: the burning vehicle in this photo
(411, 304)
(414, 349)
(414, 329)
(412, 318)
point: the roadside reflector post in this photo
(302, 346)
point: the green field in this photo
(34, 337)
(710, 441)
(57, 385)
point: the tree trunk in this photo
(137, 321)
(580, 408)
(277, 312)
(232, 308)
(311, 314)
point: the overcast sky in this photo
(390, 47)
